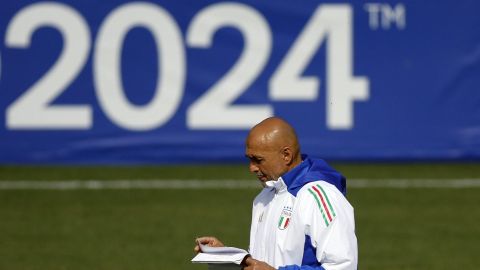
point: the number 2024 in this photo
(214, 109)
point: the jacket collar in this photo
(277, 185)
(291, 176)
(310, 170)
(286, 180)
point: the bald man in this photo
(301, 219)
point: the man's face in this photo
(266, 162)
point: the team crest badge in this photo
(285, 217)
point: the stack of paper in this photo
(228, 257)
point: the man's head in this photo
(272, 148)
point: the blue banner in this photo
(122, 82)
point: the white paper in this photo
(209, 249)
(220, 255)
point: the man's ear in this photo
(287, 155)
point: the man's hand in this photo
(251, 264)
(207, 240)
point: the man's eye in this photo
(254, 159)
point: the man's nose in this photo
(253, 168)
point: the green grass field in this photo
(415, 228)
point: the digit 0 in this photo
(107, 66)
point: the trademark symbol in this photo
(385, 16)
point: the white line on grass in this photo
(414, 183)
(222, 184)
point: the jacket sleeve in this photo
(329, 221)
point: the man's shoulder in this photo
(323, 197)
(320, 186)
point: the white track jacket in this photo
(303, 220)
